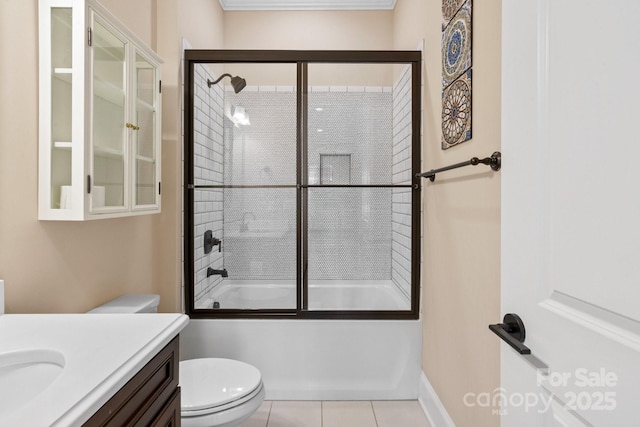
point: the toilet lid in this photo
(208, 382)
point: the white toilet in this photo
(214, 392)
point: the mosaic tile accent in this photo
(358, 124)
(456, 45)
(350, 234)
(264, 152)
(456, 112)
(260, 233)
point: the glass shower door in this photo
(358, 189)
(245, 176)
(301, 194)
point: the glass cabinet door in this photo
(61, 125)
(144, 133)
(109, 175)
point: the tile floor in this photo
(393, 413)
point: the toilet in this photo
(214, 392)
(131, 303)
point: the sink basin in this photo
(24, 374)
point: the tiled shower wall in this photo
(260, 223)
(349, 229)
(401, 205)
(208, 170)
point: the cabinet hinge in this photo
(88, 184)
(89, 40)
(159, 187)
(160, 86)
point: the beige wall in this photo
(316, 30)
(460, 277)
(71, 267)
(56, 266)
(306, 30)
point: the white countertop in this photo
(102, 352)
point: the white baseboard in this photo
(432, 406)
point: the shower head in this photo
(237, 82)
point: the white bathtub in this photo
(316, 359)
(323, 295)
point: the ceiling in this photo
(307, 4)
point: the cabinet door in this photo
(110, 127)
(145, 133)
(61, 108)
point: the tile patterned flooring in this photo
(388, 413)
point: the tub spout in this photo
(212, 272)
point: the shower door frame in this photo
(301, 59)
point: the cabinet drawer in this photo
(145, 396)
(170, 415)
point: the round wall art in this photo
(456, 112)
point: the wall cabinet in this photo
(100, 112)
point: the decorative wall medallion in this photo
(456, 112)
(449, 8)
(456, 45)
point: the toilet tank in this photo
(130, 303)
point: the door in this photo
(571, 212)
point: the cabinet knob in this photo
(132, 126)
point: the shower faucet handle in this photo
(210, 242)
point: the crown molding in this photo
(308, 4)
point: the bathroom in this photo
(71, 267)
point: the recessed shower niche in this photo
(305, 172)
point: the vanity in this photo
(90, 369)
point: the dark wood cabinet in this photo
(150, 398)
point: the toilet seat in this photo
(215, 385)
(221, 408)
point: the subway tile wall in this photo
(208, 170)
(401, 205)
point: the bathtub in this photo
(323, 295)
(315, 359)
